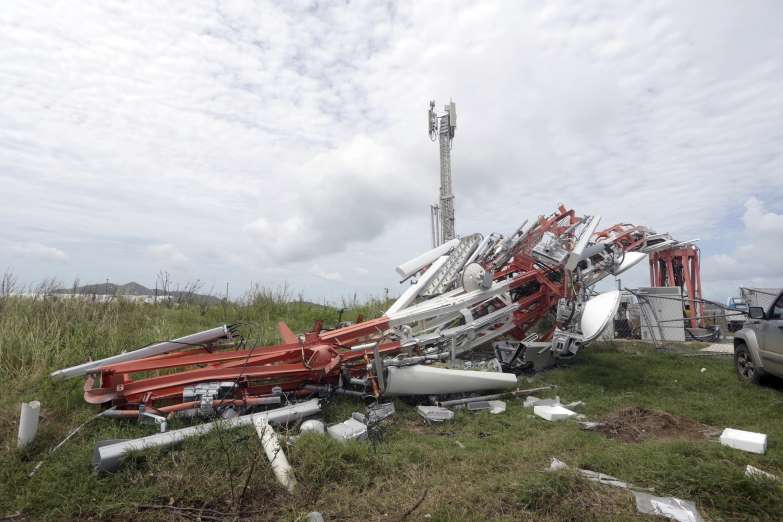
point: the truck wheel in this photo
(746, 368)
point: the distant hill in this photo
(136, 289)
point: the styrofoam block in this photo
(351, 429)
(435, 413)
(553, 413)
(744, 440)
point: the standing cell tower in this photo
(442, 127)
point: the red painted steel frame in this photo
(319, 356)
(680, 267)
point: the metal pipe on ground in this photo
(199, 338)
(514, 393)
(194, 405)
(332, 389)
(109, 454)
(283, 471)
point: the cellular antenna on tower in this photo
(442, 127)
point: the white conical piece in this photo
(283, 471)
(428, 380)
(630, 260)
(597, 313)
(28, 423)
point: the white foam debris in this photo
(668, 507)
(553, 413)
(351, 429)
(435, 413)
(744, 440)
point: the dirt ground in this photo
(637, 424)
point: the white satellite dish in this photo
(630, 260)
(474, 277)
(597, 313)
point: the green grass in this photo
(478, 467)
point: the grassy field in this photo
(478, 467)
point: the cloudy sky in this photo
(252, 141)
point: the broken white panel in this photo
(754, 472)
(656, 242)
(668, 507)
(581, 243)
(28, 423)
(487, 334)
(435, 413)
(283, 471)
(439, 307)
(409, 268)
(531, 401)
(553, 413)
(595, 476)
(744, 440)
(477, 332)
(409, 295)
(478, 406)
(496, 407)
(427, 380)
(351, 429)
(378, 412)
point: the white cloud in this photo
(253, 137)
(757, 261)
(326, 275)
(168, 255)
(35, 251)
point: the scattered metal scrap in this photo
(667, 507)
(463, 294)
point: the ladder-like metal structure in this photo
(442, 128)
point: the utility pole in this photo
(442, 127)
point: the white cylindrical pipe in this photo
(283, 471)
(108, 454)
(28, 423)
(409, 268)
(409, 295)
(207, 336)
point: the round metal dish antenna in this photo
(597, 313)
(630, 260)
(474, 277)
